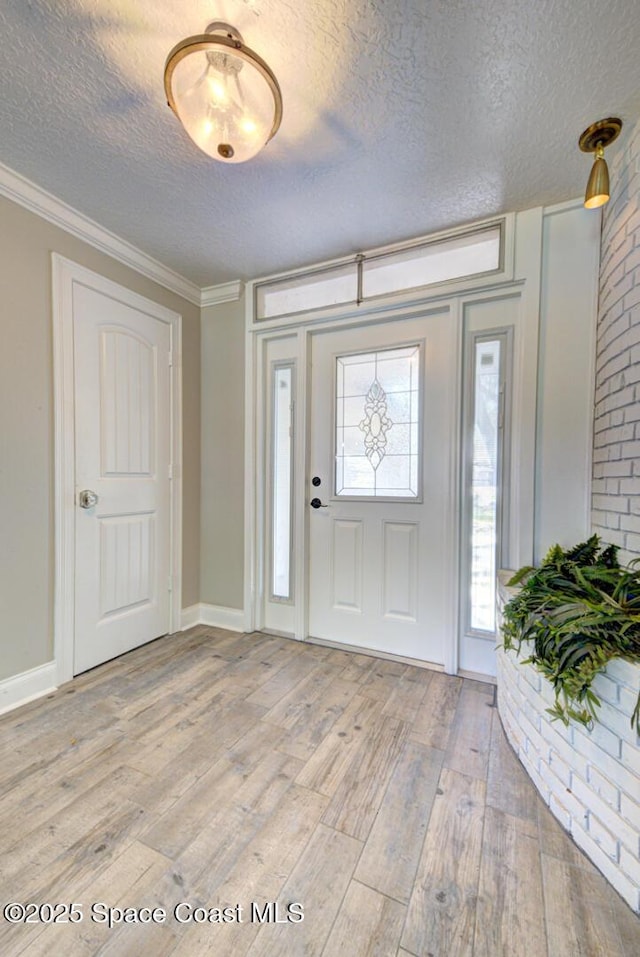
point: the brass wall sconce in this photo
(225, 95)
(594, 140)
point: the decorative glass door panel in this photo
(377, 424)
(382, 533)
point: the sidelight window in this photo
(484, 479)
(282, 480)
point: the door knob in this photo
(316, 480)
(87, 498)
(316, 503)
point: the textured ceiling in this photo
(400, 118)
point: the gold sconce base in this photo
(600, 134)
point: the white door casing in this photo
(381, 571)
(521, 285)
(117, 435)
(499, 313)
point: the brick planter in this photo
(589, 779)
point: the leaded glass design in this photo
(377, 430)
(375, 424)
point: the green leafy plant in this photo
(578, 610)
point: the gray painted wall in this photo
(222, 507)
(568, 310)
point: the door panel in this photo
(127, 544)
(382, 553)
(123, 454)
(347, 563)
(400, 583)
(127, 398)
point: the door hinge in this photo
(170, 357)
(169, 583)
(170, 472)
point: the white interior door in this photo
(383, 446)
(122, 457)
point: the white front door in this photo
(122, 457)
(383, 460)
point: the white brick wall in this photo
(616, 442)
(588, 779)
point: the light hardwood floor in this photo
(219, 769)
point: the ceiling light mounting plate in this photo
(224, 29)
(219, 60)
(600, 134)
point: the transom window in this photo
(409, 267)
(377, 424)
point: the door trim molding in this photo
(524, 405)
(255, 432)
(65, 274)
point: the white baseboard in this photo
(216, 616)
(189, 617)
(219, 617)
(27, 686)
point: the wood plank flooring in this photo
(213, 770)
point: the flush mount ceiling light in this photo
(594, 140)
(224, 94)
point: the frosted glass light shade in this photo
(224, 94)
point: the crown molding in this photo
(27, 194)
(223, 292)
